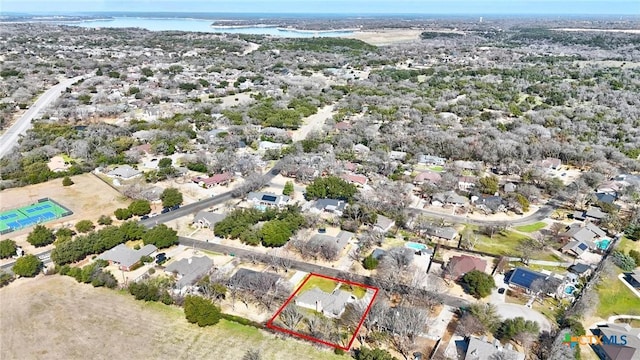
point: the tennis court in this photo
(42, 211)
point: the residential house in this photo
(431, 160)
(152, 193)
(614, 347)
(329, 304)
(444, 233)
(361, 149)
(384, 224)
(332, 206)
(268, 199)
(582, 270)
(246, 279)
(378, 253)
(448, 198)
(605, 198)
(491, 204)
(468, 165)
(268, 145)
(341, 240)
(342, 126)
(430, 177)
(188, 272)
(142, 149)
(581, 237)
(482, 349)
(509, 187)
(124, 172)
(460, 265)
(397, 155)
(207, 219)
(592, 213)
(523, 278)
(217, 179)
(466, 183)
(125, 257)
(358, 180)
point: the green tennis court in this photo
(22, 217)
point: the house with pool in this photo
(583, 237)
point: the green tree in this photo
(161, 236)
(330, 187)
(66, 181)
(165, 162)
(123, 214)
(523, 201)
(623, 261)
(512, 327)
(372, 354)
(635, 255)
(487, 315)
(275, 233)
(8, 248)
(201, 311)
(27, 266)
(140, 207)
(288, 188)
(40, 236)
(488, 184)
(171, 197)
(146, 72)
(99, 72)
(5, 278)
(84, 226)
(370, 262)
(478, 283)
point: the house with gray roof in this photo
(329, 304)
(592, 213)
(207, 219)
(246, 279)
(332, 206)
(189, 271)
(445, 233)
(431, 160)
(384, 224)
(617, 349)
(125, 257)
(268, 199)
(582, 237)
(341, 240)
(482, 349)
(124, 172)
(448, 198)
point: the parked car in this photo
(174, 207)
(165, 210)
(161, 258)
(144, 217)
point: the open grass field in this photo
(531, 227)
(54, 317)
(616, 298)
(328, 285)
(506, 243)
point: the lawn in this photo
(436, 168)
(531, 227)
(146, 330)
(626, 244)
(321, 283)
(616, 298)
(328, 285)
(506, 243)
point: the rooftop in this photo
(190, 270)
(125, 256)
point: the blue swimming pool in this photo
(415, 246)
(603, 244)
(569, 289)
(261, 207)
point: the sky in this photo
(593, 7)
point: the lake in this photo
(198, 25)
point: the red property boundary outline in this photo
(270, 324)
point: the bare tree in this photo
(252, 354)
(291, 317)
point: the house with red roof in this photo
(217, 179)
(460, 265)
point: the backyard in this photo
(506, 243)
(328, 285)
(529, 228)
(615, 297)
(32, 307)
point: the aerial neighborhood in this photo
(473, 193)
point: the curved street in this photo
(10, 137)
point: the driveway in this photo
(510, 311)
(496, 298)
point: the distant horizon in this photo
(328, 7)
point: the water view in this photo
(199, 25)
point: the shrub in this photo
(27, 266)
(84, 226)
(201, 311)
(8, 248)
(478, 283)
(40, 236)
(370, 262)
(623, 261)
(66, 181)
(123, 214)
(105, 220)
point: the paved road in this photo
(204, 204)
(300, 265)
(10, 138)
(542, 213)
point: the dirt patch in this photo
(387, 37)
(55, 317)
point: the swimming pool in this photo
(603, 244)
(569, 289)
(261, 207)
(415, 246)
